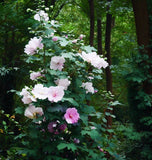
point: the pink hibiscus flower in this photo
(55, 94)
(55, 39)
(71, 115)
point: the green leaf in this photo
(84, 118)
(69, 146)
(93, 154)
(115, 103)
(54, 157)
(31, 59)
(97, 114)
(92, 133)
(14, 91)
(110, 130)
(113, 116)
(88, 49)
(98, 77)
(20, 136)
(56, 72)
(57, 108)
(63, 42)
(4, 123)
(88, 109)
(98, 71)
(49, 31)
(104, 120)
(69, 55)
(71, 100)
(107, 113)
(33, 133)
(19, 110)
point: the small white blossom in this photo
(31, 111)
(57, 63)
(53, 22)
(40, 92)
(41, 15)
(55, 94)
(35, 75)
(63, 83)
(88, 86)
(33, 45)
(74, 41)
(47, 9)
(81, 36)
(55, 39)
(27, 97)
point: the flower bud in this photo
(55, 39)
(47, 9)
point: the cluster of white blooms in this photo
(33, 45)
(63, 83)
(54, 94)
(41, 15)
(89, 87)
(94, 59)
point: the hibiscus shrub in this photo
(60, 122)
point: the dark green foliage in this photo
(9, 128)
(13, 37)
(140, 103)
(36, 140)
(14, 23)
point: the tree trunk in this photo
(99, 36)
(143, 33)
(140, 92)
(108, 55)
(91, 5)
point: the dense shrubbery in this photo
(63, 115)
(62, 124)
(140, 104)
